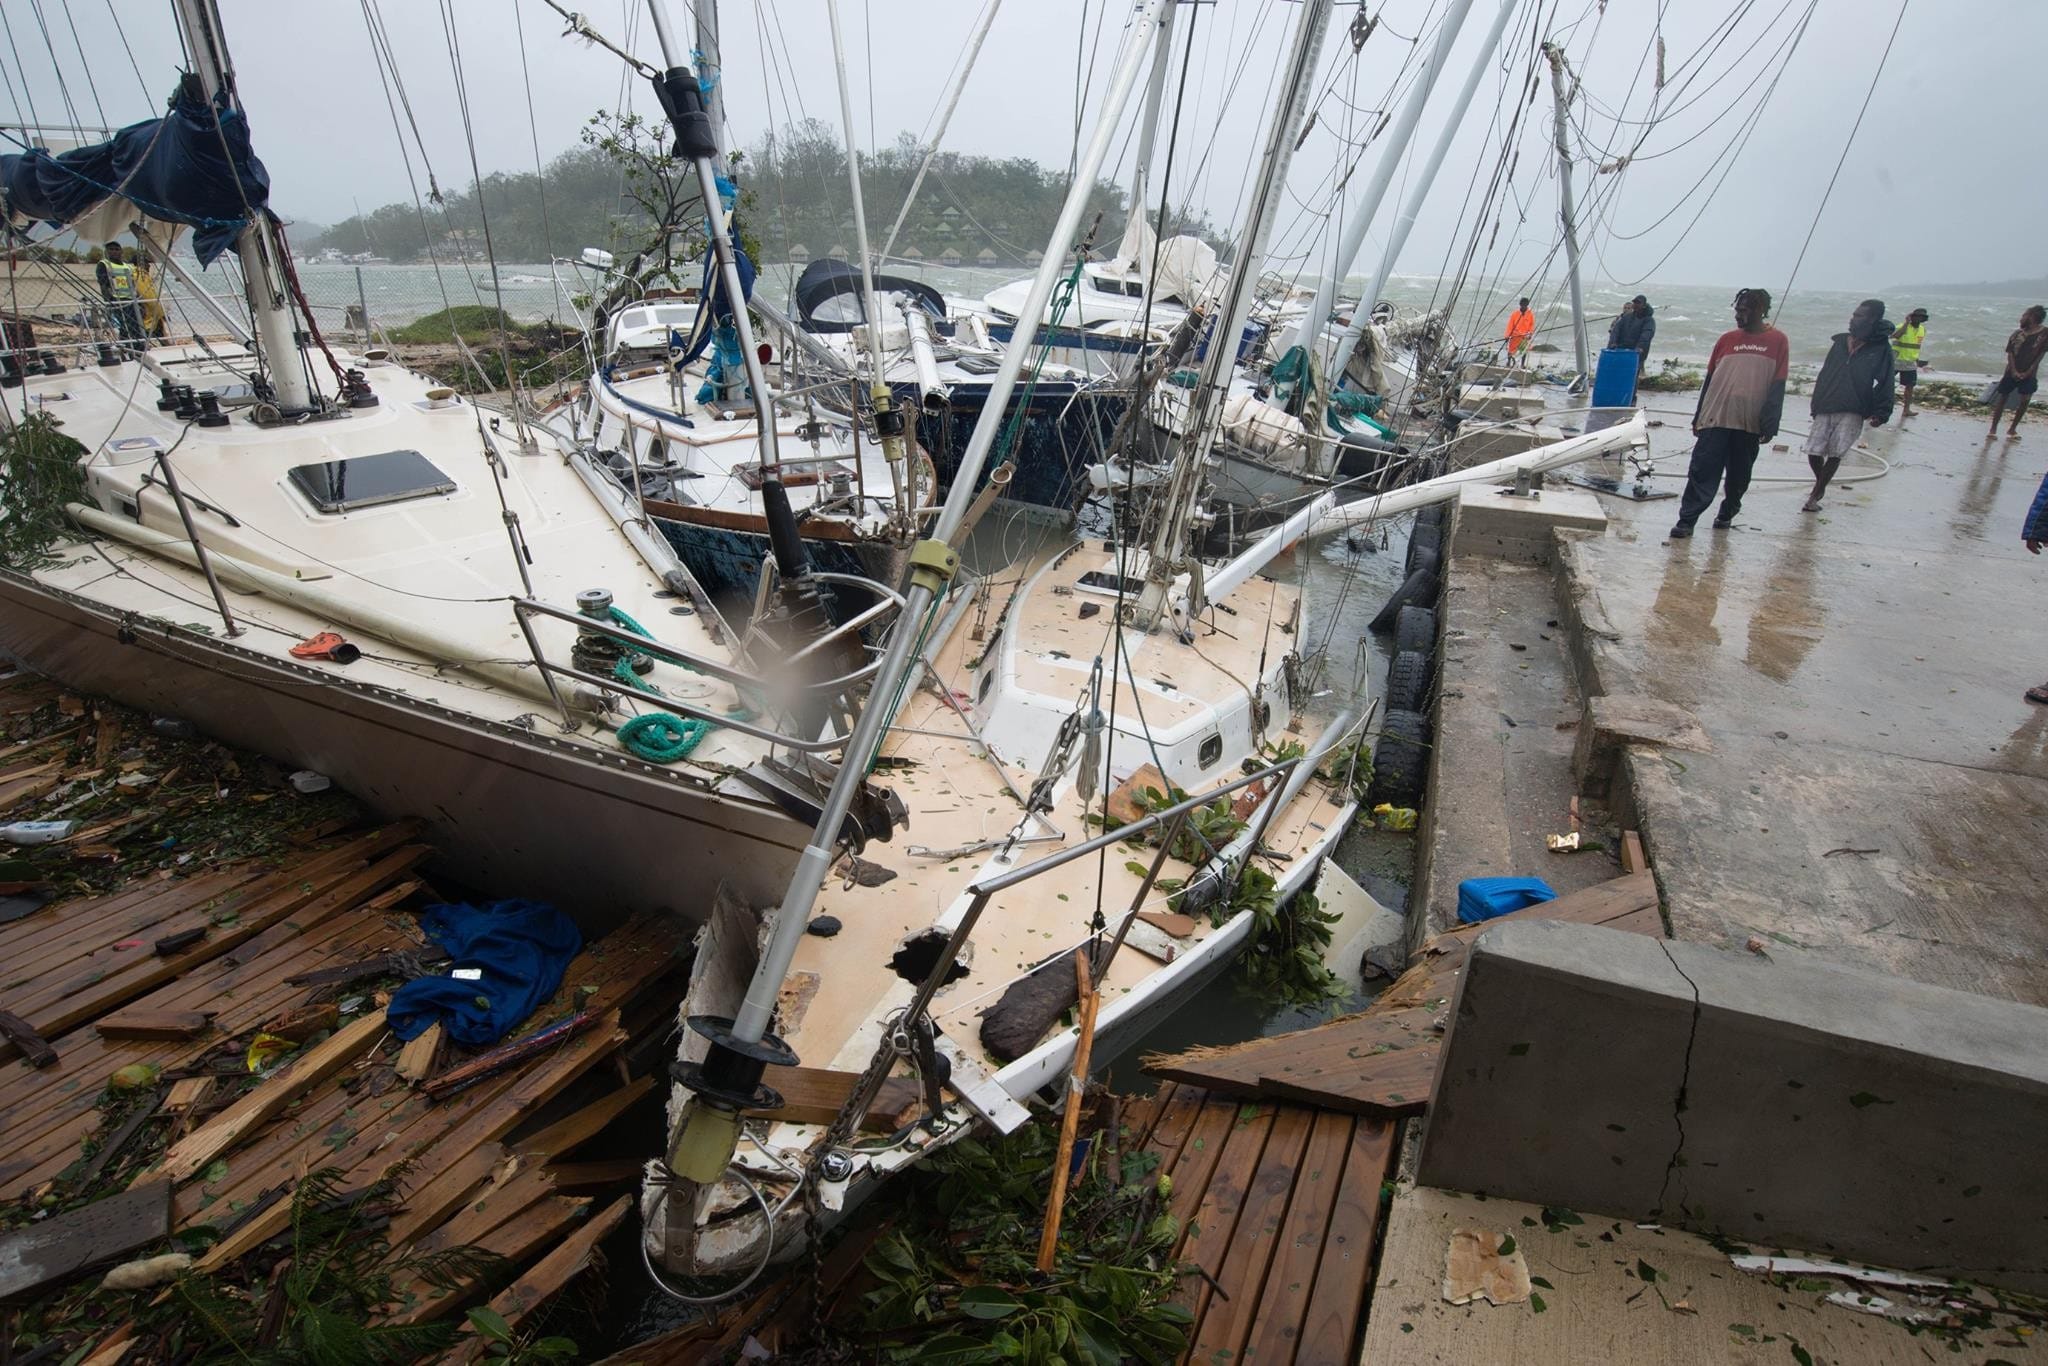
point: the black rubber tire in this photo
(1432, 514)
(1415, 629)
(1400, 762)
(1419, 589)
(1408, 679)
(1423, 539)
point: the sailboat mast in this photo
(1397, 236)
(1219, 361)
(711, 69)
(1148, 131)
(1359, 221)
(889, 423)
(974, 42)
(1565, 209)
(261, 252)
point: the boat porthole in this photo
(988, 683)
(1210, 752)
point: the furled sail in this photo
(193, 168)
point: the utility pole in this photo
(1564, 209)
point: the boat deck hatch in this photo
(364, 481)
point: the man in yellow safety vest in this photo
(1906, 352)
(122, 293)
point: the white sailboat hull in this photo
(514, 811)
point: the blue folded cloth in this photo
(523, 949)
(1483, 898)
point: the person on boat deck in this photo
(1739, 409)
(121, 291)
(1633, 329)
(1906, 351)
(1854, 386)
(1521, 327)
(2023, 352)
(2035, 534)
(147, 291)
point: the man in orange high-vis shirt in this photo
(1521, 327)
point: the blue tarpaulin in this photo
(183, 168)
(522, 949)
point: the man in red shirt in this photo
(1739, 409)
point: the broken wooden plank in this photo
(569, 1260)
(383, 965)
(1172, 922)
(604, 1174)
(242, 1119)
(135, 1022)
(815, 1095)
(186, 1099)
(421, 1054)
(566, 1134)
(509, 1055)
(183, 939)
(70, 1244)
(23, 1036)
(1632, 860)
(435, 1198)
(111, 1147)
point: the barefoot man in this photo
(1521, 327)
(1906, 352)
(1854, 386)
(2023, 352)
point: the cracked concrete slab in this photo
(1876, 789)
(1593, 1301)
(1772, 1098)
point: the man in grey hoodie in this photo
(1854, 387)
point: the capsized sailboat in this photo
(1119, 683)
(325, 557)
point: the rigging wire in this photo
(114, 22)
(1875, 76)
(56, 67)
(90, 83)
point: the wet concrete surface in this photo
(1506, 710)
(1876, 788)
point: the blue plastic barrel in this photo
(1614, 378)
(1483, 898)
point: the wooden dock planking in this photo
(1207, 1235)
(1280, 1203)
(1336, 1308)
(1382, 1061)
(1283, 1307)
(1224, 1325)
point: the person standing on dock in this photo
(2023, 352)
(1739, 409)
(1632, 330)
(2035, 534)
(1906, 351)
(1854, 386)
(1521, 327)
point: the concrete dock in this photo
(1815, 723)
(1875, 788)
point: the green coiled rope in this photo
(659, 737)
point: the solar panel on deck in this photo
(364, 481)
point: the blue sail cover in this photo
(182, 168)
(717, 307)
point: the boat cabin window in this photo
(1210, 752)
(1103, 581)
(365, 481)
(663, 315)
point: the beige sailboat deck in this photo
(840, 988)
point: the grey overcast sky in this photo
(1938, 184)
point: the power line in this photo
(1875, 76)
